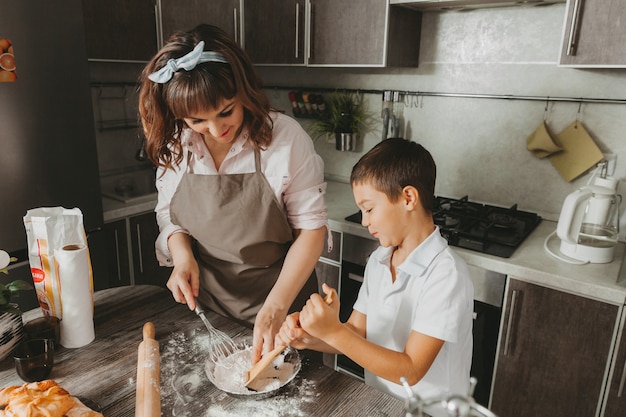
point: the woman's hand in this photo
(184, 283)
(266, 327)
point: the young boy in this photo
(413, 315)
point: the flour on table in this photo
(184, 383)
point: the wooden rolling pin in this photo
(148, 403)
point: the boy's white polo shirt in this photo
(433, 294)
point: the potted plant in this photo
(10, 313)
(345, 119)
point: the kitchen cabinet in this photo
(130, 248)
(143, 233)
(120, 30)
(616, 397)
(363, 33)
(328, 270)
(274, 31)
(594, 34)
(351, 33)
(553, 353)
(443, 5)
(187, 14)
(117, 252)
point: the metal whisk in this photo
(221, 344)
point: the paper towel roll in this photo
(73, 270)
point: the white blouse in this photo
(292, 167)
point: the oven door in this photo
(351, 280)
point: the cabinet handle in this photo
(622, 382)
(139, 248)
(158, 22)
(117, 257)
(509, 324)
(308, 12)
(235, 26)
(297, 28)
(571, 42)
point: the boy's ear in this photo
(410, 197)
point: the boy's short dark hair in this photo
(394, 164)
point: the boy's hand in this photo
(320, 318)
(291, 334)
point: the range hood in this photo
(442, 5)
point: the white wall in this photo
(480, 144)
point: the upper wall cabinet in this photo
(442, 5)
(274, 31)
(594, 34)
(347, 33)
(187, 14)
(363, 33)
(120, 30)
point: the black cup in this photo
(34, 359)
(46, 327)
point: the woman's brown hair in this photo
(163, 106)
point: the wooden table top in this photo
(105, 370)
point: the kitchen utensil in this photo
(148, 396)
(268, 358)
(589, 222)
(386, 112)
(221, 344)
(34, 359)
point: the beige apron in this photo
(241, 237)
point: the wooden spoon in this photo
(269, 357)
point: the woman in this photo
(241, 206)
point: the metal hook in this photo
(545, 111)
(580, 103)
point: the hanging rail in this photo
(460, 95)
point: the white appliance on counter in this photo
(588, 226)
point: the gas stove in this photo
(483, 228)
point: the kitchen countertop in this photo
(105, 370)
(530, 262)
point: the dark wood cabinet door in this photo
(118, 262)
(187, 14)
(553, 353)
(120, 30)
(594, 33)
(275, 31)
(350, 32)
(146, 269)
(616, 390)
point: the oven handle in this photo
(355, 277)
(509, 324)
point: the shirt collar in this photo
(421, 257)
(192, 141)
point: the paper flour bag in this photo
(59, 256)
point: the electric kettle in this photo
(589, 222)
